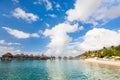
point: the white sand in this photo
(113, 63)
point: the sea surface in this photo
(57, 70)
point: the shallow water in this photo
(57, 70)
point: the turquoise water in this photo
(57, 70)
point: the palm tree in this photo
(104, 48)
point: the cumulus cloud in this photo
(20, 13)
(94, 39)
(4, 49)
(11, 43)
(20, 34)
(37, 2)
(52, 15)
(3, 42)
(59, 37)
(98, 38)
(81, 28)
(15, 1)
(48, 4)
(57, 6)
(48, 25)
(93, 11)
(35, 35)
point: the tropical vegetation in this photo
(105, 52)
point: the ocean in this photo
(56, 70)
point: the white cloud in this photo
(15, 1)
(52, 15)
(19, 13)
(11, 43)
(98, 38)
(58, 6)
(72, 49)
(94, 39)
(81, 28)
(38, 2)
(3, 42)
(114, 12)
(35, 35)
(40, 31)
(48, 25)
(59, 37)
(93, 11)
(5, 15)
(20, 34)
(4, 49)
(48, 4)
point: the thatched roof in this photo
(59, 57)
(65, 57)
(70, 57)
(7, 55)
(19, 56)
(22, 56)
(31, 56)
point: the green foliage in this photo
(105, 52)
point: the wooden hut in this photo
(52, 58)
(70, 57)
(16, 56)
(43, 57)
(8, 56)
(65, 57)
(59, 57)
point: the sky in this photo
(58, 27)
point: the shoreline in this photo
(106, 62)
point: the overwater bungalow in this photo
(26, 56)
(19, 56)
(16, 56)
(43, 57)
(65, 57)
(70, 57)
(8, 57)
(35, 57)
(52, 57)
(31, 56)
(22, 56)
(59, 57)
(38, 57)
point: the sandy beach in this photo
(107, 62)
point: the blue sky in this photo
(58, 27)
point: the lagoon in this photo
(57, 70)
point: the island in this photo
(110, 56)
